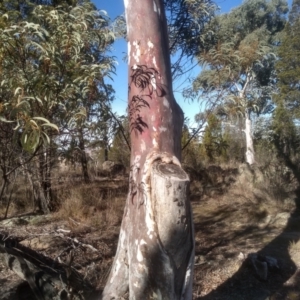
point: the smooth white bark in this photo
(249, 141)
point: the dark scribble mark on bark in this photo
(146, 80)
(136, 121)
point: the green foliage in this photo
(191, 152)
(286, 138)
(238, 69)
(186, 22)
(120, 151)
(288, 65)
(295, 12)
(285, 133)
(242, 48)
(213, 143)
(52, 68)
(233, 138)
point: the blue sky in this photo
(115, 8)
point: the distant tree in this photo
(238, 69)
(120, 147)
(295, 12)
(286, 138)
(191, 144)
(287, 112)
(213, 143)
(288, 64)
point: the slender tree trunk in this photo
(155, 254)
(5, 182)
(45, 161)
(42, 184)
(3, 187)
(83, 158)
(48, 174)
(249, 141)
(10, 195)
(105, 140)
(40, 201)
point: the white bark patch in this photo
(166, 103)
(126, 15)
(154, 62)
(136, 284)
(157, 10)
(136, 167)
(249, 142)
(143, 268)
(154, 129)
(157, 295)
(122, 238)
(137, 53)
(129, 52)
(154, 143)
(153, 118)
(149, 223)
(154, 6)
(118, 266)
(153, 82)
(150, 44)
(143, 146)
(134, 67)
(162, 129)
(187, 289)
(139, 255)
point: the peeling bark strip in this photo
(155, 254)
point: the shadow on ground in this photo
(222, 247)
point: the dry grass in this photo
(92, 204)
(231, 204)
(20, 196)
(294, 251)
(239, 220)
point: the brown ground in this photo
(233, 218)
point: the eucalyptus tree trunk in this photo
(155, 254)
(45, 165)
(35, 175)
(83, 157)
(5, 182)
(41, 194)
(249, 140)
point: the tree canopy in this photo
(288, 64)
(52, 67)
(238, 70)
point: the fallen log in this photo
(48, 279)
